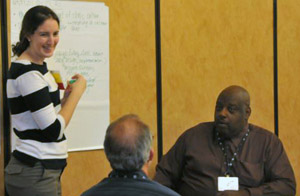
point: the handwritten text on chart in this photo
(75, 20)
(84, 62)
(79, 21)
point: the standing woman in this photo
(38, 116)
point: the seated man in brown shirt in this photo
(253, 158)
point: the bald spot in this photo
(126, 132)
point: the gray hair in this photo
(127, 143)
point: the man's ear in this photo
(248, 112)
(151, 155)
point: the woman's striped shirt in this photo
(34, 103)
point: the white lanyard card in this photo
(228, 183)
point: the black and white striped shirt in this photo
(34, 102)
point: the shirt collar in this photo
(235, 140)
(128, 174)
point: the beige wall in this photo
(207, 47)
(289, 80)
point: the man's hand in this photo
(234, 193)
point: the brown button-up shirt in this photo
(193, 164)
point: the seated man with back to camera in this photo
(127, 146)
(252, 157)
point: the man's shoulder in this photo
(163, 190)
(262, 134)
(201, 128)
(132, 187)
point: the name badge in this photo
(228, 183)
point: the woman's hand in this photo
(72, 96)
(77, 87)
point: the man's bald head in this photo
(239, 91)
(127, 143)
